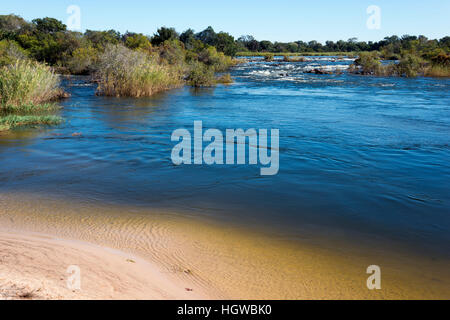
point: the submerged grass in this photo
(12, 121)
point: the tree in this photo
(188, 37)
(266, 45)
(136, 41)
(292, 47)
(164, 34)
(12, 23)
(100, 39)
(49, 25)
(225, 43)
(207, 36)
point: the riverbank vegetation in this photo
(26, 91)
(413, 56)
(137, 65)
(410, 63)
(130, 64)
(32, 54)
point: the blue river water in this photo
(357, 153)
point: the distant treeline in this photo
(393, 44)
(49, 40)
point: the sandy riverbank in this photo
(172, 253)
(43, 267)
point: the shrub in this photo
(410, 66)
(268, 57)
(82, 60)
(124, 72)
(368, 63)
(225, 79)
(10, 51)
(172, 52)
(27, 83)
(441, 59)
(201, 75)
(437, 71)
(218, 61)
(138, 41)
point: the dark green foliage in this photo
(201, 75)
(136, 41)
(163, 34)
(188, 38)
(207, 36)
(225, 43)
(100, 39)
(49, 25)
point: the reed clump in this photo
(26, 90)
(122, 72)
(438, 71)
(27, 83)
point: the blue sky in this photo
(282, 20)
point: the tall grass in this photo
(26, 87)
(437, 71)
(27, 83)
(126, 73)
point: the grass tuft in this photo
(27, 83)
(123, 72)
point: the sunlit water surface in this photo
(363, 155)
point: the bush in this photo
(225, 79)
(82, 61)
(27, 83)
(410, 66)
(201, 75)
(218, 61)
(124, 72)
(172, 52)
(268, 57)
(368, 63)
(10, 51)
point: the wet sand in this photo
(213, 261)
